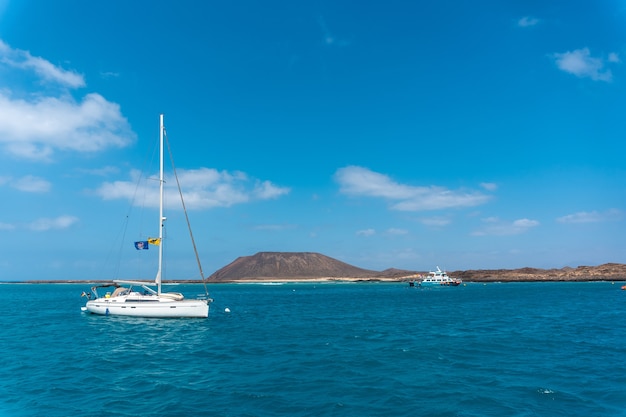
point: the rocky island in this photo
(310, 266)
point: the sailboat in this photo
(146, 299)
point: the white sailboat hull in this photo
(159, 308)
(125, 301)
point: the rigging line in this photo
(180, 191)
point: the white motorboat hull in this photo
(439, 284)
(157, 308)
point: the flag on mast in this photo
(142, 244)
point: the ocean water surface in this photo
(329, 349)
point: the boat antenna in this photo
(180, 191)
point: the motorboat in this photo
(438, 278)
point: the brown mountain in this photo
(292, 265)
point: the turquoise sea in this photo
(330, 349)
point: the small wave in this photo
(545, 391)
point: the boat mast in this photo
(161, 218)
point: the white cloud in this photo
(591, 217)
(394, 231)
(525, 224)
(202, 188)
(359, 181)
(34, 124)
(527, 21)
(35, 129)
(265, 190)
(32, 184)
(580, 63)
(274, 227)
(435, 221)
(109, 74)
(497, 227)
(46, 70)
(7, 226)
(489, 186)
(614, 57)
(44, 224)
(366, 232)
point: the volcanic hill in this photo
(295, 265)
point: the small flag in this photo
(154, 241)
(141, 245)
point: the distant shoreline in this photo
(325, 280)
(301, 267)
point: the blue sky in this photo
(384, 134)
